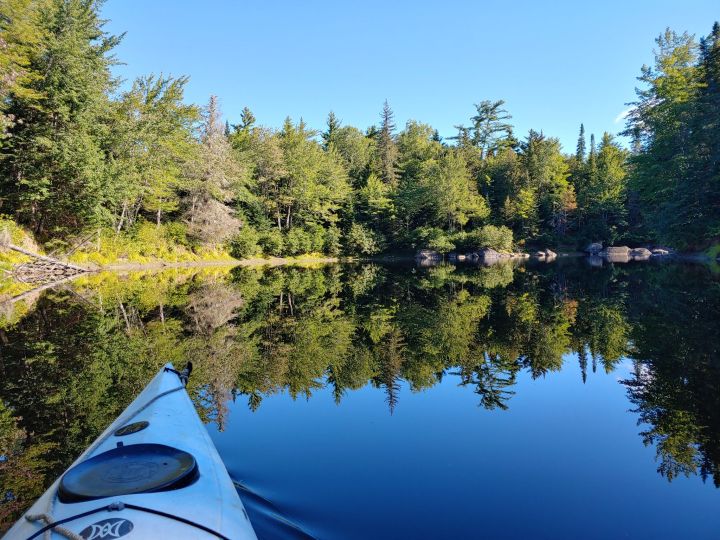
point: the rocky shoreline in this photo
(482, 255)
(595, 253)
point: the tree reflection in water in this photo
(72, 359)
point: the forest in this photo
(135, 167)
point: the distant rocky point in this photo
(624, 253)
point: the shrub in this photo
(271, 242)
(298, 241)
(361, 240)
(245, 243)
(176, 232)
(333, 244)
(488, 236)
(433, 238)
(316, 234)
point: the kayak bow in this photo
(153, 473)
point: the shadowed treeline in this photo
(75, 357)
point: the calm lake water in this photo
(552, 401)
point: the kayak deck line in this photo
(113, 507)
(56, 527)
(158, 470)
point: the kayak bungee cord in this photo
(113, 507)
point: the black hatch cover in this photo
(135, 468)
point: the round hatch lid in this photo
(135, 468)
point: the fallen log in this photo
(45, 258)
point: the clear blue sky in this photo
(556, 64)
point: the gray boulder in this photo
(618, 257)
(488, 254)
(640, 254)
(594, 248)
(618, 250)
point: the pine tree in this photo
(386, 147)
(247, 118)
(333, 124)
(662, 123)
(20, 36)
(54, 161)
(489, 123)
(699, 194)
(580, 152)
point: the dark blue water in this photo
(564, 461)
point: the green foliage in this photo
(298, 241)
(361, 240)
(453, 196)
(245, 243)
(487, 236)
(433, 238)
(56, 148)
(152, 149)
(333, 241)
(675, 129)
(271, 242)
(144, 243)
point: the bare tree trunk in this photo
(122, 217)
(125, 316)
(192, 209)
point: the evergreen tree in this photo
(663, 120)
(20, 37)
(489, 125)
(247, 119)
(333, 124)
(53, 164)
(580, 152)
(386, 147)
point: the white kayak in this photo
(154, 473)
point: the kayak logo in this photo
(107, 529)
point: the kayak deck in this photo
(202, 504)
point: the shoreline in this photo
(691, 257)
(252, 262)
